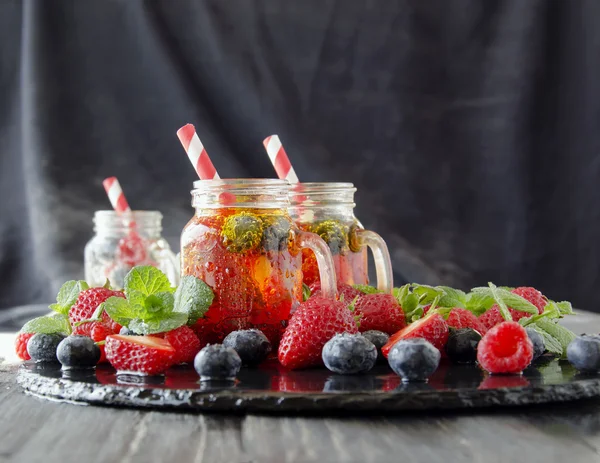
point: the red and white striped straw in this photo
(115, 195)
(196, 152)
(280, 159)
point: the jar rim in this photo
(142, 214)
(240, 183)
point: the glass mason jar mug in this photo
(327, 209)
(244, 245)
(124, 241)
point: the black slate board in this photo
(273, 389)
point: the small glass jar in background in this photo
(122, 242)
(327, 209)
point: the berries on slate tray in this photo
(462, 345)
(21, 345)
(185, 342)
(313, 323)
(379, 339)
(539, 346)
(251, 345)
(217, 362)
(584, 352)
(505, 348)
(349, 353)
(148, 355)
(42, 347)
(379, 312)
(414, 359)
(78, 352)
(432, 327)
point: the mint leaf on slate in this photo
(146, 280)
(193, 297)
(366, 289)
(48, 324)
(563, 335)
(67, 296)
(305, 292)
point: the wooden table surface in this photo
(36, 430)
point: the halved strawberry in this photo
(140, 354)
(433, 328)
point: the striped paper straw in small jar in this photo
(280, 159)
(196, 152)
(115, 195)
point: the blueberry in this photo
(414, 359)
(462, 345)
(217, 362)
(42, 347)
(539, 347)
(583, 352)
(251, 345)
(379, 339)
(78, 352)
(349, 353)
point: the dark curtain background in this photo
(471, 128)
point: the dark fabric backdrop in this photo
(471, 128)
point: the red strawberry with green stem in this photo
(314, 323)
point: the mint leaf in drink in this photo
(147, 280)
(48, 324)
(366, 289)
(193, 297)
(67, 296)
(452, 297)
(305, 292)
(158, 325)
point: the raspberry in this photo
(505, 348)
(432, 328)
(314, 323)
(141, 354)
(379, 312)
(87, 303)
(462, 318)
(21, 345)
(185, 342)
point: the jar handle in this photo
(316, 244)
(383, 263)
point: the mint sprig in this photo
(152, 306)
(366, 289)
(67, 296)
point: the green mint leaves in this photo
(504, 298)
(305, 292)
(67, 296)
(153, 306)
(49, 324)
(193, 297)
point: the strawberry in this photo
(433, 328)
(313, 323)
(462, 318)
(185, 342)
(492, 316)
(346, 291)
(148, 355)
(379, 312)
(88, 301)
(98, 332)
(21, 345)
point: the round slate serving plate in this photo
(273, 389)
